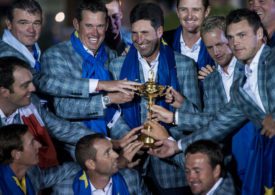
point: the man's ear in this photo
(207, 11)
(90, 164)
(217, 171)
(160, 31)
(8, 24)
(260, 33)
(4, 92)
(76, 24)
(15, 154)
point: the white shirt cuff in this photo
(179, 145)
(171, 138)
(92, 85)
(176, 117)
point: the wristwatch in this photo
(106, 100)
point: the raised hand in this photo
(164, 148)
(173, 98)
(158, 132)
(120, 98)
(205, 71)
(268, 126)
(123, 86)
(127, 154)
(131, 136)
(162, 114)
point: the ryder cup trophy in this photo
(150, 90)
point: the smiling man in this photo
(266, 10)
(24, 24)
(76, 72)
(149, 56)
(19, 156)
(186, 38)
(117, 36)
(204, 169)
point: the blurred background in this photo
(58, 15)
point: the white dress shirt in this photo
(92, 82)
(147, 68)
(251, 84)
(227, 78)
(12, 119)
(190, 52)
(107, 190)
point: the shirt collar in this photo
(214, 187)
(153, 63)
(105, 189)
(230, 68)
(194, 47)
(7, 120)
(88, 50)
(253, 66)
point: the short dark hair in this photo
(90, 5)
(209, 148)
(147, 11)
(212, 22)
(251, 17)
(31, 6)
(7, 68)
(11, 139)
(205, 3)
(85, 148)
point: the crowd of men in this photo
(79, 96)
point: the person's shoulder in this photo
(59, 47)
(211, 76)
(183, 59)
(8, 51)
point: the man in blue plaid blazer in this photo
(145, 56)
(18, 163)
(73, 71)
(247, 102)
(205, 171)
(99, 170)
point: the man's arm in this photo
(44, 178)
(187, 78)
(63, 130)
(224, 123)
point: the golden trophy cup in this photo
(150, 90)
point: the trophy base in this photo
(147, 141)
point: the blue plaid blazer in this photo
(167, 174)
(133, 180)
(214, 96)
(7, 50)
(226, 187)
(61, 77)
(240, 107)
(51, 177)
(62, 130)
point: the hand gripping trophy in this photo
(150, 90)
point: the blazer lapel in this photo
(245, 102)
(238, 71)
(220, 87)
(262, 73)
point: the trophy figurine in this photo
(150, 90)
